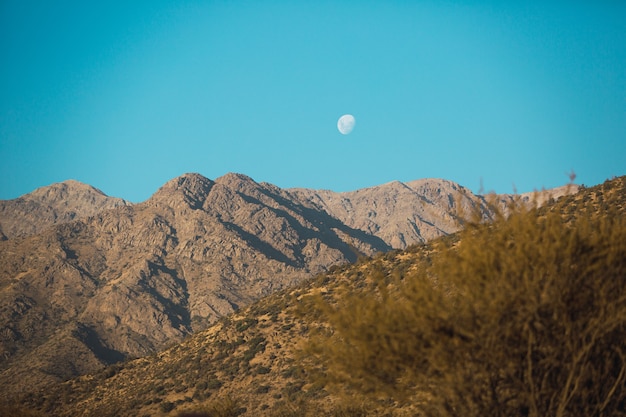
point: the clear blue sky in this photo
(125, 95)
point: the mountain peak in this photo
(236, 181)
(56, 203)
(192, 188)
(189, 181)
(63, 190)
(431, 183)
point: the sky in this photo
(498, 96)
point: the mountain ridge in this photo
(127, 281)
(71, 199)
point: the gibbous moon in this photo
(346, 123)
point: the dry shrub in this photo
(522, 317)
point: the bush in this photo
(214, 384)
(167, 406)
(262, 370)
(245, 324)
(263, 389)
(522, 317)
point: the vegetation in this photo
(525, 316)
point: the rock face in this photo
(87, 280)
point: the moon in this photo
(346, 123)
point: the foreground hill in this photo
(260, 360)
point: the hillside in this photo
(248, 363)
(400, 213)
(245, 361)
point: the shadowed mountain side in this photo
(319, 224)
(128, 281)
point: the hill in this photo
(262, 360)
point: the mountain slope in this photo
(399, 213)
(127, 281)
(249, 356)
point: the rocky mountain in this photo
(127, 281)
(88, 280)
(247, 363)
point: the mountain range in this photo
(88, 280)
